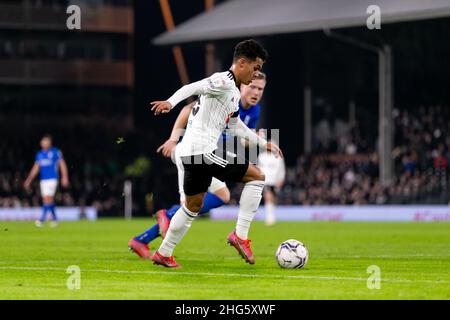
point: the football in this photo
(292, 254)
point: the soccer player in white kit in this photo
(274, 171)
(218, 193)
(217, 106)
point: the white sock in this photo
(270, 215)
(248, 204)
(178, 227)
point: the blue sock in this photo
(149, 234)
(53, 212)
(171, 212)
(211, 201)
(45, 208)
(153, 233)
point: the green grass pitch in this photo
(414, 260)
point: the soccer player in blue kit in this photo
(47, 163)
(218, 194)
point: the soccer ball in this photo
(292, 254)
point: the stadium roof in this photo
(242, 18)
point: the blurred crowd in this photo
(97, 169)
(349, 175)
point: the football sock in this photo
(153, 232)
(171, 212)
(149, 234)
(45, 208)
(53, 212)
(270, 215)
(210, 201)
(179, 225)
(248, 204)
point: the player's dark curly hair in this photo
(251, 50)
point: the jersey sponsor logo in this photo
(216, 83)
(45, 162)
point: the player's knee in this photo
(224, 195)
(47, 200)
(259, 175)
(262, 177)
(254, 174)
(194, 205)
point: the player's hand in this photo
(160, 107)
(64, 182)
(167, 148)
(271, 147)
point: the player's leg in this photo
(248, 204)
(52, 206)
(218, 194)
(179, 225)
(250, 199)
(139, 244)
(197, 178)
(269, 205)
(53, 185)
(45, 210)
(48, 189)
(44, 206)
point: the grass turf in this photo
(414, 259)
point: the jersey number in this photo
(195, 110)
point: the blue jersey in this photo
(249, 116)
(48, 163)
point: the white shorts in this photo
(48, 187)
(215, 185)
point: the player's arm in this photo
(167, 147)
(251, 123)
(196, 88)
(238, 128)
(33, 173)
(64, 173)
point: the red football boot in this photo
(141, 249)
(168, 262)
(163, 222)
(242, 246)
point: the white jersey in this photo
(218, 100)
(272, 167)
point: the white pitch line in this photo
(234, 258)
(237, 275)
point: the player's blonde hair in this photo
(260, 76)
